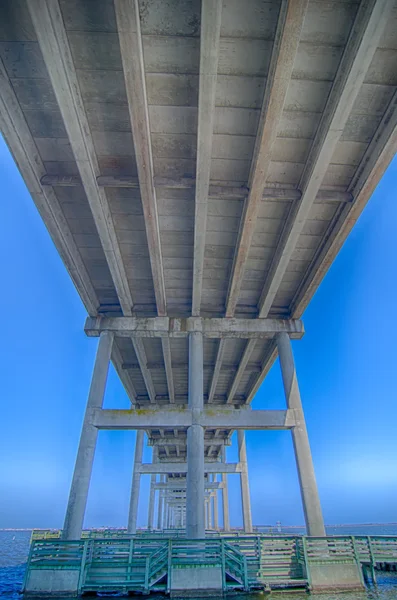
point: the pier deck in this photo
(148, 564)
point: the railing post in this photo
(82, 566)
(246, 586)
(147, 563)
(372, 561)
(169, 565)
(130, 553)
(356, 556)
(25, 579)
(306, 558)
(223, 565)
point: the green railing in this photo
(142, 564)
(234, 564)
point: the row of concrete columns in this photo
(196, 517)
(170, 498)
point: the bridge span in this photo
(198, 166)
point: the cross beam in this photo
(172, 486)
(218, 417)
(164, 468)
(164, 327)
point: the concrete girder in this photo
(360, 49)
(286, 43)
(131, 48)
(221, 190)
(173, 467)
(211, 11)
(48, 23)
(181, 327)
(225, 418)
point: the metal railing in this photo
(142, 564)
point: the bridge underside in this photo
(198, 166)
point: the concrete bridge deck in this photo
(198, 166)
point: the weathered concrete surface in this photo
(85, 457)
(336, 577)
(304, 462)
(52, 581)
(196, 579)
(136, 482)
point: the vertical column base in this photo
(195, 521)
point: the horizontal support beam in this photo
(172, 485)
(164, 468)
(218, 190)
(159, 327)
(214, 417)
(181, 441)
(183, 366)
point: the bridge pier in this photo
(244, 482)
(195, 523)
(77, 503)
(304, 462)
(136, 483)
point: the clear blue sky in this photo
(347, 366)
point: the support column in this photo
(160, 505)
(136, 482)
(75, 511)
(307, 479)
(225, 495)
(152, 493)
(244, 482)
(195, 527)
(216, 508)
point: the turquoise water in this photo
(14, 547)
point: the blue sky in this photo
(346, 366)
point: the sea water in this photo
(14, 548)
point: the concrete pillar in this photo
(307, 479)
(216, 508)
(136, 482)
(209, 508)
(75, 511)
(160, 505)
(152, 493)
(245, 490)
(225, 496)
(195, 527)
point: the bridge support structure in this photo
(195, 502)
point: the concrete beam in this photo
(217, 370)
(182, 366)
(376, 159)
(166, 345)
(212, 328)
(178, 441)
(141, 356)
(172, 486)
(290, 23)
(23, 147)
(129, 30)
(211, 11)
(48, 23)
(241, 369)
(221, 190)
(223, 418)
(163, 468)
(361, 46)
(125, 378)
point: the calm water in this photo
(14, 547)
